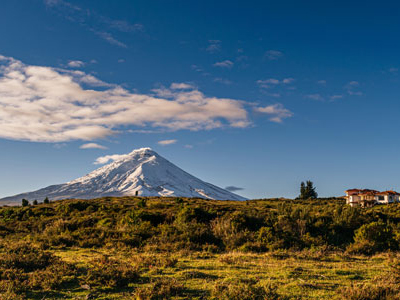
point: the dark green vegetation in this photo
(152, 248)
(307, 190)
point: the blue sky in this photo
(258, 95)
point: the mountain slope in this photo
(142, 172)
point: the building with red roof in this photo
(368, 198)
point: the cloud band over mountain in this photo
(47, 104)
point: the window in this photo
(381, 198)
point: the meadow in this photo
(178, 248)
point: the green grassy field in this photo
(135, 248)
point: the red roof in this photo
(388, 193)
(361, 192)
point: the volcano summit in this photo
(142, 172)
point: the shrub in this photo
(105, 272)
(26, 257)
(10, 294)
(142, 203)
(373, 237)
(163, 288)
(243, 290)
(375, 291)
(53, 277)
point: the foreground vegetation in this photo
(137, 248)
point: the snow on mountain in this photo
(142, 172)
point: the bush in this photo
(53, 277)
(243, 290)
(163, 288)
(24, 267)
(375, 291)
(10, 294)
(373, 237)
(105, 272)
(26, 257)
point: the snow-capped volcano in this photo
(142, 172)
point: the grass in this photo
(295, 275)
(132, 248)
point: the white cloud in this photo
(334, 97)
(46, 104)
(92, 146)
(92, 21)
(124, 26)
(110, 39)
(276, 112)
(273, 54)
(75, 64)
(288, 80)
(223, 81)
(275, 95)
(352, 87)
(316, 97)
(181, 86)
(214, 46)
(224, 64)
(59, 145)
(393, 70)
(166, 142)
(354, 93)
(188, 146)
(107, 158)
(321, 82)
(353, 83)
(268, 83)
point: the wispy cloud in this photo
(125, 26)
(232, 188)
(224, 64)
(46, 104)
(75, 64)
(187, 146)
(110, 39)
(316, 97)
(181, 86)
(277, 112)
(109, 158)
(352, 88)
(167, 142)
(222, 80)
(335, 97)
(213, 46)
(273, 54)
(92, 21)
(321, 82)
(92, 146)
(271, 82)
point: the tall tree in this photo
(302, 189)
(307, 190)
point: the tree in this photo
(25, 202)
(35, 202)
(307, 190)
(46, 200)
(302, 189)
